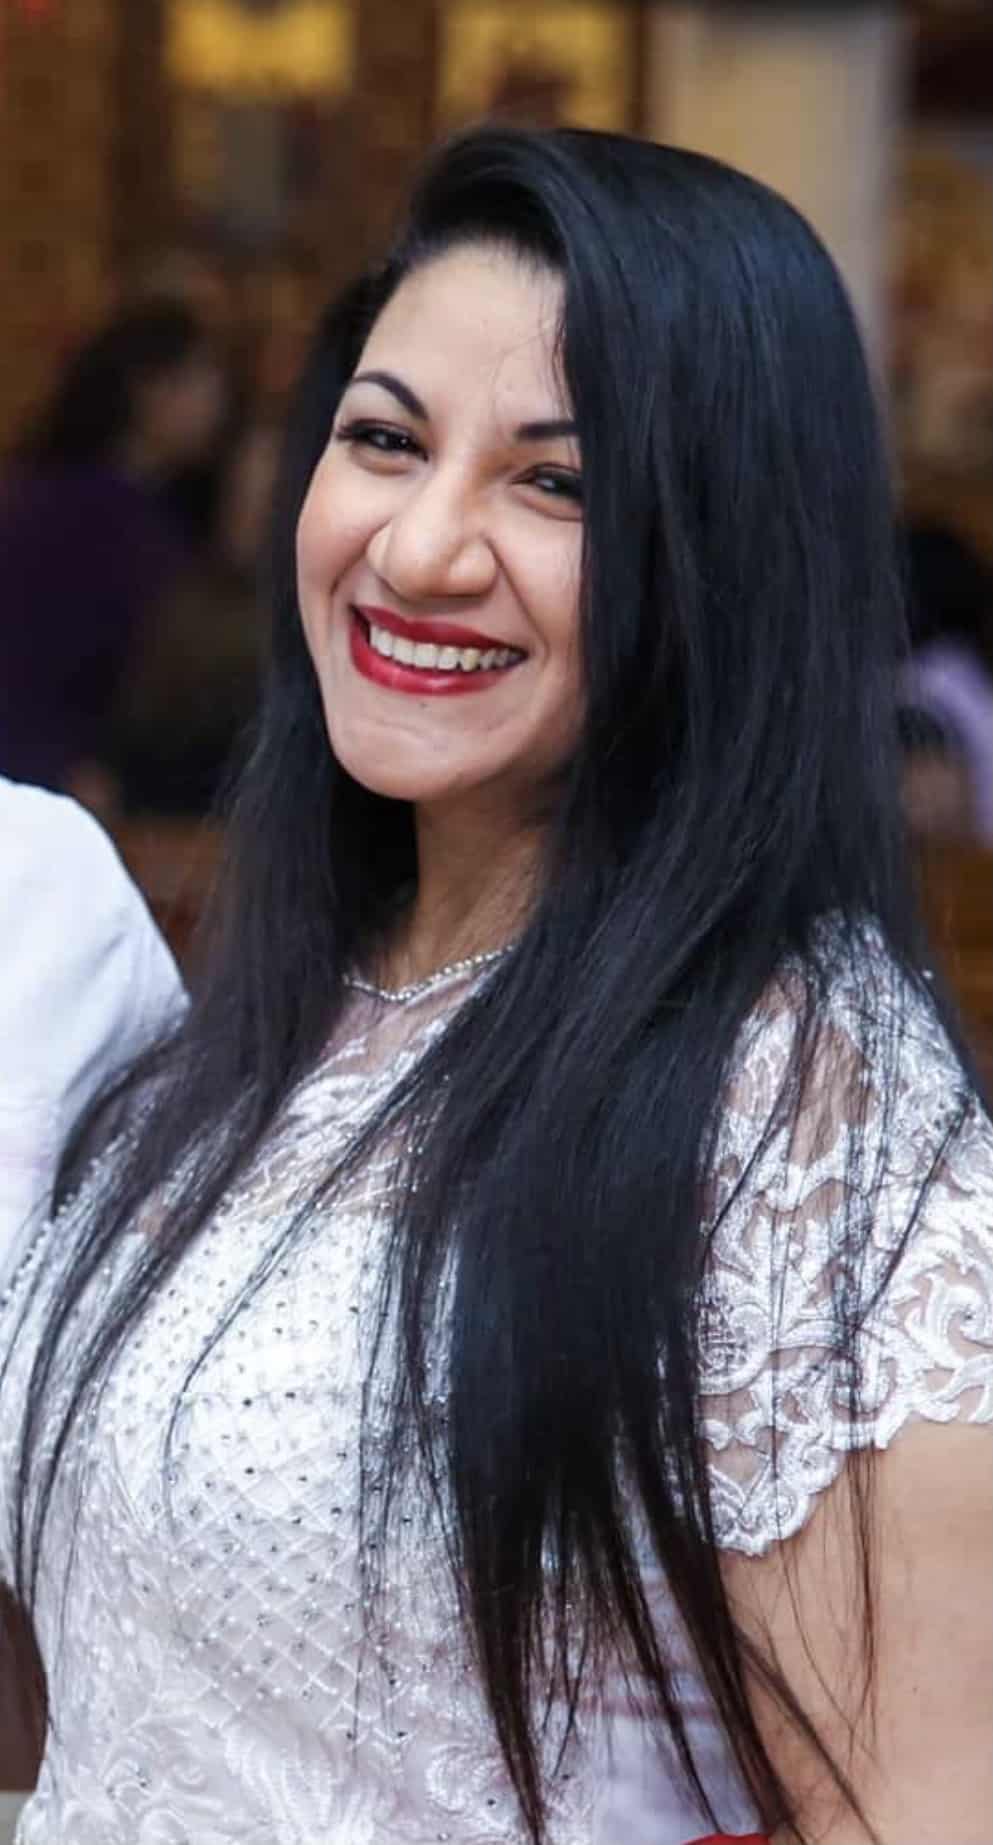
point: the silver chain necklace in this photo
(399, 996)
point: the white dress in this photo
(207, 1672)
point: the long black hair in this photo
(733, 787)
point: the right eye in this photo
(379, 437)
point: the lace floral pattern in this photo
(215, 1677)
(777, 1424)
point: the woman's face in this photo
(180, 411)
(438, 550)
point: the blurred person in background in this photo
(194, 685)
(947, 688)
(88, 543)
(937, 791)
(518, 1374)
(200, 277)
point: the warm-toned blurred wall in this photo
(809, 99)
(58, 74)
(83, 176)
(106, 146)
(91, 198)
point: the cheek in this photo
(333, 530)
(315, 533)
(308, 549)
(563, 595)
(550, 587)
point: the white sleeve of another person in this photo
(86, 982)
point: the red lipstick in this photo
(428, 628)
(420, 681)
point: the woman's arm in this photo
(860, 1251)
(919, 1754)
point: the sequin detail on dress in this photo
(214, 1681)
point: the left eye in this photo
(557, 484)
(380, 437)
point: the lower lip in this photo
(419, 680)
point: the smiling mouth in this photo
(404, 661)
(429, 656)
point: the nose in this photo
(434, 546)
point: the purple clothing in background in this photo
(85, 554)
(947, 679)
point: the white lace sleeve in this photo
(777, 1416)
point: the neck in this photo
(475, 881)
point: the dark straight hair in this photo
(734, 786)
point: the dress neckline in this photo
(419, 989)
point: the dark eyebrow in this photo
(402, 392)
(543, 431)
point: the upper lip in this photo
(439, 629)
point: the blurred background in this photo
(184, 182)
(182, 185)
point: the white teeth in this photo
(428, 656)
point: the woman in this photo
(88, 542)
(515, 1374)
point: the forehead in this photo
(476, 322)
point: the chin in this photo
(398, 787)
(400, 776)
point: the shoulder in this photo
(86, 979)
(851, 1064)
(851, 1238)
(35, 823)
(83, 963)
(63, 887)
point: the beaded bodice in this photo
(213, 1674)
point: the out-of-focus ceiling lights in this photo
(234, 47)
(586, 46)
